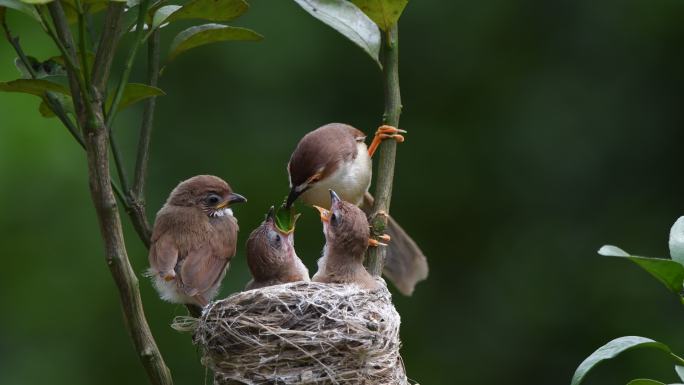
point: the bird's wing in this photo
(163, 254)
(405, 264)
(205, 264)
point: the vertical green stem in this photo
(388, 148)
(83, 46)
(139, 34)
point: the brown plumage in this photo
(335, 157)
(346, 239)
(271, 256)
(193, 239)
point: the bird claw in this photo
(385, 132)
(375, 242)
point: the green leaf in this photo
(667, 271)
(162, 14)
(680, 371)
(208, 33)
(36, 1)
(644, 381)
(212, 10)
(42, 70)
(611, 350)
(384, 13)
(285, 219)
(676, 242)
(347, 19)
(135, 92)
(18, 6)
(36, 87)
(612, 251)
(64, 100)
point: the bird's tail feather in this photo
(405, 264)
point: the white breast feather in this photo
(350, 181)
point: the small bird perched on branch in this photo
(334, 156)
(193, 239)
(271, 256)
(347, 236)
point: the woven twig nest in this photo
(303, 333)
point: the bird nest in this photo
(302, 333)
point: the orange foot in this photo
(385, 132)
(375, 243)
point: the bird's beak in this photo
(232, 198)
(292, 197)
(325, 214)
(270, 217)
(334, 198)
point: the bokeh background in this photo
(538, 131)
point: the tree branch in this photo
(375, 259)
(65, 42)
(96, 135)
(107, 45)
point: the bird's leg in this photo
(375, 243)
(168, 275)
(385, 132)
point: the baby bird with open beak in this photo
(271, 255)
(346, 239)
(193, 240)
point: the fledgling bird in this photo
(193, 240)
(271, 256)
(335, 156)
(346, 239)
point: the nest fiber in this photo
(303, 333)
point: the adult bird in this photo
(347, 236)
(271, 256)
(335, 157)
(193, 240)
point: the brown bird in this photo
(271, 256)
(193, 239)
(335, 157)
(346, 239)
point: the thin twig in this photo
(113, 109)
(83, 47)
(148, 118)
(388, 148)
(107, 46)
(138, 213)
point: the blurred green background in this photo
(538, 131)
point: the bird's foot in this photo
(385, 132)
(375, 242)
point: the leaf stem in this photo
(388, 148)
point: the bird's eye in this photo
(334, 219)
(213, 199)
(276, 241)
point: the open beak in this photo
(232, 198)
(334, 198)
(270, 217)
(325, 214)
